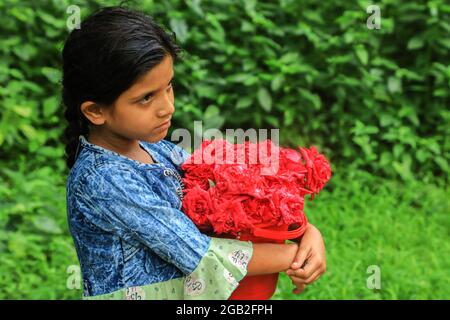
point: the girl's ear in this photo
(94, 112)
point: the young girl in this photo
(124, 191)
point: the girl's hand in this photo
(310, 261)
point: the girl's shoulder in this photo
(94, 162)
(92, 168)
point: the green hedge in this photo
(375, 98)
(370, 99)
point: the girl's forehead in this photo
(164, 68)
(155, 79)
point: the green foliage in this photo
(35, 245)
(377, 99)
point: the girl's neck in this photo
(125, 147)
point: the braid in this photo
(77, 125)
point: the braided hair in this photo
(103, 58)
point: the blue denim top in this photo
(125, 218)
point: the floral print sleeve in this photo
(215, 278)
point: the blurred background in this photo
(376, 101)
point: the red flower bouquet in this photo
(252, 191)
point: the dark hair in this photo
(104, 57)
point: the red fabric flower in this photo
(197, 204)
(227, 189)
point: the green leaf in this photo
(273, 121)
(265, 99)
(245, 78)
(415, 43)
(52, 74)
(277, 81)
(404, 168)
(247, 26)
(433, 146)
(50, 105)
(25, 52)
(180, 28)
(206, 91)
(394, 85)
(29, 131)
(361, 129)
(289, 116)
(398, 150)
(47, 225)
(217, 33)
(212, 118)
(244, 102)
(442, 163)
(17, 244)
(313, 98)
(362, 54)
(196, 7)
(24, 111)
(422, 155)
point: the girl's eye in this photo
(150, 96)
(146, 99)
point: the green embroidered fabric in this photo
(215, 278)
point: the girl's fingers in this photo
(297, 280)
(301, 281)
(298, 290)
(299, 287)
(314, 277)
(300, 258)
(311, 267)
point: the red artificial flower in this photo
(228, 191)
(198, 206)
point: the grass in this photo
(401, 227)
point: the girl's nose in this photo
(167, 108)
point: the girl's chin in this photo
(162, 131)
(155, 137)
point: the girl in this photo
(124, 190)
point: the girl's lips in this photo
(164, 125)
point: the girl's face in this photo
(143, 112)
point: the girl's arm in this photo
(271, 258)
